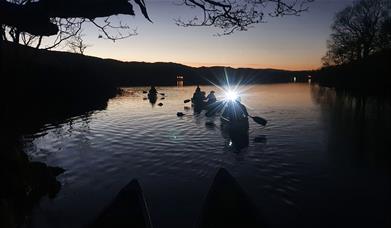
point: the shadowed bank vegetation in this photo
(368, 76)
(34, 93)
(359, 49)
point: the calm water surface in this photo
(322, 160)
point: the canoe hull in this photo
(227, 205)
(128, 209)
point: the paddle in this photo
(186, 101)
(180, 114)
(259, 120)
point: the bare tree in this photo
(357, 31)
(76, 44)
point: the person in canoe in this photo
(152, 95)
(203, 97)
(152, 91)
(234, 111)
(234, 120)
(198, 97)
(198, 90)
(211, 98)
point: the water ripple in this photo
(133, 139)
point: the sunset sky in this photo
(290, 42)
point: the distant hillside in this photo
(134, 73)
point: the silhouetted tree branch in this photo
(117, 35)
(31, 20)
(239, 15)
(77, 44)
(68, 28)
(64, 18)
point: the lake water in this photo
(322, 160)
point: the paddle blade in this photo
(186, 101)
(259, 120)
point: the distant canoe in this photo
(227, 205)
(128, 209)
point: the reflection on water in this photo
(179, 83)
(362, 124)
(320, 160)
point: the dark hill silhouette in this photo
(132, 73)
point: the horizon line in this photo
(234, 66)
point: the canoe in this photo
(128, 209)
(227, 205)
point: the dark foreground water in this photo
(322, 161)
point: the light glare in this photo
(231, 95)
